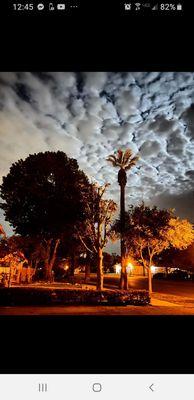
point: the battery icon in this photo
(179, 7)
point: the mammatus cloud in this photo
(90, 115)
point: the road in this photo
(176, 288)
(160, 309)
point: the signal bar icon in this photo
(155, 7)
(42, 387)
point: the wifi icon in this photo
(137, 5)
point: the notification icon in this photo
(51, 7)
(40, 6)
(60, 6)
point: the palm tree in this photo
(124, 161)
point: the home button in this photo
(97, 387)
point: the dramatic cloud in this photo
(90, 115)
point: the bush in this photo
(43, 296)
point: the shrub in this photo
(43, 296)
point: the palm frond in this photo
(120, 156)
(131, 163)
(123, 159)
(112, 159)
(127, 155)
(135, 159)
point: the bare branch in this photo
(85, 245)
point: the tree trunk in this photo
(10, 277)
(72, 266)
(18, 278)
(87, 272)
(72, 269)
(123, 278)
(99, 282)
(50, 259)
(150, 280)
(29, 275)
(144, 273)
(46, 260)
(99, 285)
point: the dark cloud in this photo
(23, 92)
(188, 117)
(182, 203)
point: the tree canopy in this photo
(149, 231)
(44, 193)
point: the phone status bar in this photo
(76, 7)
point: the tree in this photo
(179, 258)
(43, 195)
(31, 246)
(149, 231)
(70, 248)
(2, 232)
(94, 234)
(125, 162)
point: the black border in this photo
(97, 344)
(97, 44)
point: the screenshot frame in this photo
(96, 199)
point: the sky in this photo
(91, 115)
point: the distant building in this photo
(133, 267)
(136, 269)
(14, 269)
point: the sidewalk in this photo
(162, 303)
(170, 300)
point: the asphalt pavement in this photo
(176, 288)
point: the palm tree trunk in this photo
(123, 278)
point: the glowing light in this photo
(66, 267)
(118, 268)
(153, 269)
(129, 268)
